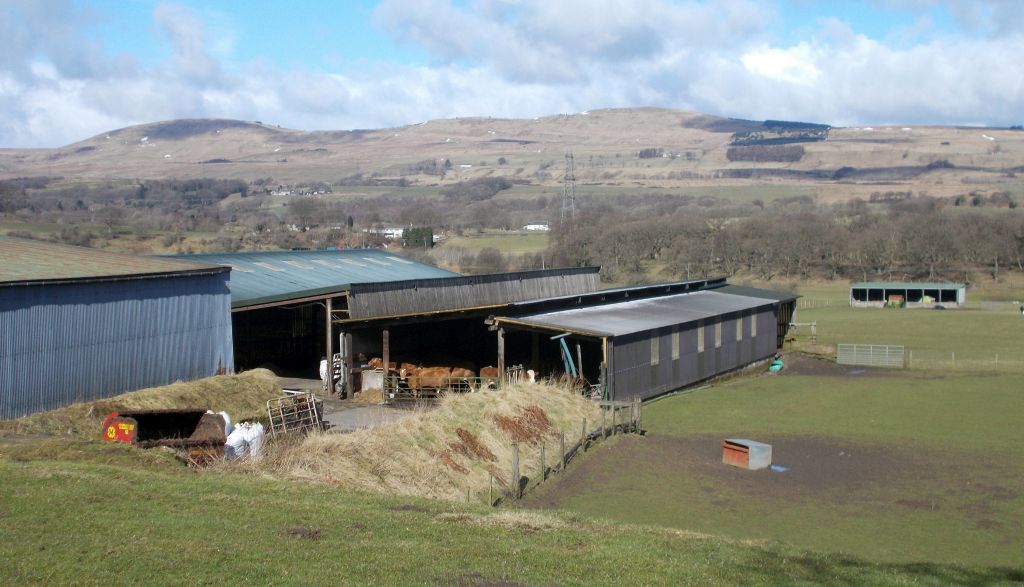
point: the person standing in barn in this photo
(325, 374)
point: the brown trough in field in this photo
(746, 454)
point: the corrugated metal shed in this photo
(82, 335)
(275, 276)
(24, 261)
(402, 298)
(623, 318)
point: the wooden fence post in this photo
(583, 436)
(561, 449)
(639, 415)
(490, 489)
(543, 466)
(604, 428)
(515, 470)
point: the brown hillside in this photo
(691, 150)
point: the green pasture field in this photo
(923, 465)
(737, 193)
(89, 523)
(515, 243)
(985, 335)
(896, 468)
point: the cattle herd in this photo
(419, 381)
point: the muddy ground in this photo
(821, 470)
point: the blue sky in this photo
(74, 68)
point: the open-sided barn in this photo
(79, 324)
(903, 294)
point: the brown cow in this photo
(461, 379)
(489, 377)
(428, 379)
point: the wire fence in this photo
(965, 361)
(814, 303)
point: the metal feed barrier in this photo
(872, 355)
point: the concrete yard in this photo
(345, 415)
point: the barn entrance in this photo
(544, 353)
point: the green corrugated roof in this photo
(30, 261)
(274, 276)
(904, 285)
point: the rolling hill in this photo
(644, 147)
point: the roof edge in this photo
(211, 270)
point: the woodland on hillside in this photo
(634, 237)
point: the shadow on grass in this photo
(841, 570)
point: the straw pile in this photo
(242, 396)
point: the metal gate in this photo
(871, 355)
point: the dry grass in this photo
(447, 451)
(242, 396)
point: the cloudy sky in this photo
(70, 69)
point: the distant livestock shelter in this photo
(80, 324)
(907, 295)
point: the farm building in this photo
(290, 308)
(79, 324)
(282, 301)
(907, 295)
(649, 346)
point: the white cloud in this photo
(795, 65)
(508, 58)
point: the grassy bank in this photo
(451, 450)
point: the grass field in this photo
(902, 466)
(515, 243)
(986, 335)
(84, 523)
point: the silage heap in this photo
(444, 452)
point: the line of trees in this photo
(917, 239)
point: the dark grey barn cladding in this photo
(401, 298)
(655, 345)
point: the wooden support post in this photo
(501, 357)
(386, 352)
(515, 470)
(579, 361)
(328, 346)
(346, 365)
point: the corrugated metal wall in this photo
(64, 343)
(429, 295)
(637, 374)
